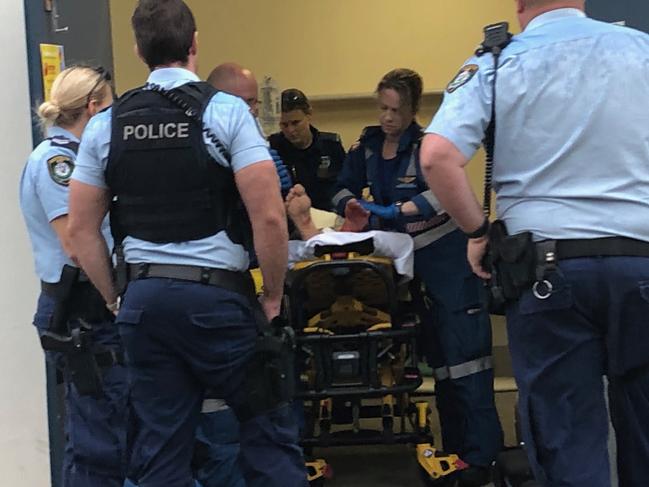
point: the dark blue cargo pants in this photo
(459, 350)
(182, 338)
(595, 323)
(96, 453)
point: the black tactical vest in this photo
(166, 187)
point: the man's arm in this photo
(88, 207)
(443, 167)
(259, 189)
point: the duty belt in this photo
(420, 226)
(238, 282)
(600, 247)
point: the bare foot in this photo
(298, 208)
(356, 217)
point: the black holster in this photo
(270, 374)
(511, 259)
(78, 302)
(120, 272)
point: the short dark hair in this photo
(294, 99)
(407, 83)
(164, 31)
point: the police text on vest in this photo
(157, 131)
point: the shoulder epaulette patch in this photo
(63, 142)
(60, 169)
(462, 77)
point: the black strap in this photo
(363, 247)
(497, 38)
(194, 116)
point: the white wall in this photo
(24, 447)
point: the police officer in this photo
(174, 160)
(239, 81)
(314, 158)
(571, 175)
(386, 160)
(96, 389)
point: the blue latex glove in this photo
(285, 181)
(390, 212)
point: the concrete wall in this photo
(24, 450)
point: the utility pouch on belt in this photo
(270, 374)
(511, 260)
(75, 344)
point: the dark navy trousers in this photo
(459, 348)
(182, 338)
(595, 323)
(96, 452)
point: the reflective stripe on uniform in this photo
(434, 234)
(340, 195)
(440, 374)
(432, 200)
(463, 370)
(412, 164)
(213, 405)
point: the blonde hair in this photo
(72, 90)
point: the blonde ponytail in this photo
(72, 90)
(48, 113)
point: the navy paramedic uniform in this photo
(182, 336)
(461, 350)
(571, 163)
(316, 167)
(95, 428)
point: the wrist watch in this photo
(399, 206)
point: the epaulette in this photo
(65, 143)
(330, 137)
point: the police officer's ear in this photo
(193, 50)
(520, 6)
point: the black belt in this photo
(601, 247)
(238, 282)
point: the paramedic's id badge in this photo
(60, 168)
(463, 77)
(323, 167)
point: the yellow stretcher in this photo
(357, 359)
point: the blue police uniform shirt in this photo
(230, 120)
(572, 151)
(44, 198)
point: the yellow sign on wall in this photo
(52, 63)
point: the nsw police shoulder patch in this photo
(462, 77)
(60, 169)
